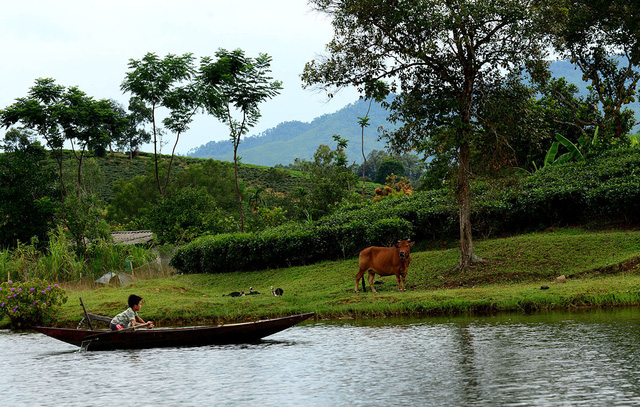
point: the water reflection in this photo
(545, 359)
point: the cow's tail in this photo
(364, 287)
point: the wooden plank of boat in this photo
(245, 332)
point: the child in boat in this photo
(129, 318)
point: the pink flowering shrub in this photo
(29, 303)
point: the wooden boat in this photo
(246, 332)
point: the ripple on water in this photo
(557, 359)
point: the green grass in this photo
(602, 270)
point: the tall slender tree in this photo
(232, 88)
(439, 57)
(163, 83)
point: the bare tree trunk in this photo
(155, 148)
(467, 255)
(63, 189)
(80, 161)
(235, 165)
(364, 165)
(363, 124)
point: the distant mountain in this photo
(290, 140)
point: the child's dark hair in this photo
(133, 300)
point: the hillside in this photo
(290, 140)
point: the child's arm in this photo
(139, 321)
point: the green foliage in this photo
(187, 214)
(29, 303)
(131, 201)
(83, 219)
(265, 218)
(102, 257)
(234, 86)
(60, 114)
(331, 179)
(286, 245)
(165, 82)
(28, 191)
(216, 177)
(602, 190)
(387, 167)
(580, 31)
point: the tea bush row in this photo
(288, 245)
(605, 189)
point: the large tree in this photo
(602, 38)
(232, 88)
(135, 133)
(440, 58)
(39, 112)
(163, 83)
(89, 125)
(59, 115)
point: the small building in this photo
(132, 237)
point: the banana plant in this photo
(574, 152)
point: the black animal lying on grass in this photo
(241, 293)
(234, 294)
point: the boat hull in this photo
(246, 332)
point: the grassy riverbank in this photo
(602, 270)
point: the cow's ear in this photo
(396, 246)
(411, 244)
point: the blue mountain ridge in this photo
(295, 139)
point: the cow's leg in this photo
(399, 278)
(358, 277)
(404, 287)
(370, 278)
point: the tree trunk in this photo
(58, 156)
(80, 160)
(155, 149)
(467, 256)
(235, 165)
(364, 165)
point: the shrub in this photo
(287, 245)
(186, 214)
(30, 303)
(605, 188)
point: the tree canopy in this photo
(440, 58)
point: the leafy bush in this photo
(30, 303)
(604, 188)
(186, 214)
(287, 245)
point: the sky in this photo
(88, 44)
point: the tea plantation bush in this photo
(287, 245)
(605, 188)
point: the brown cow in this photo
(385, 261)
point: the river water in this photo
(588, 358)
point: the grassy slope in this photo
(602, 269)
(117, 166)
